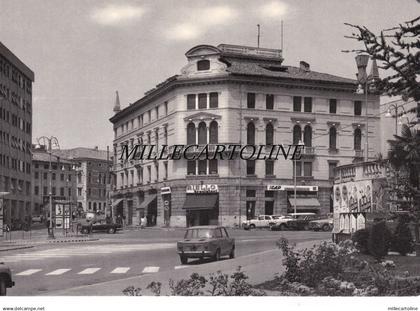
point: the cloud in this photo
(274, 9)
(116, 14)
(200, 20)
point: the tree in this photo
(402, 241)
(377, 243)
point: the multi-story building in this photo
(15, 135)
(242, 95)
(93, 178)
(61, 177)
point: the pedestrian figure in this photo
(142, 222)
(119, 220)
(153, 220)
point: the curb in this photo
(16, 248)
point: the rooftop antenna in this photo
(258, 38)
(281, 35)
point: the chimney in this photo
(117, 106)
(304, 66)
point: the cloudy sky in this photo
(83, 50)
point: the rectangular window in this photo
(191, 101)
(69, 192)
(149, 171)
(307, 104)
(269, 194)
(250, 99)
(202, 101)
(269, 207)
(298, 166)
(53, 176)
(53, 191)
(62, 177)
(36, 190)
(157, 113)
(166, 108)
(36, 175)
(307, 168)
(357, 108)
(45, 176)
(213, 166)
(297, 103)
(165, 165)
(202, 167)
(191, 168)
(331, 168)
(333, 105)
(269, 168)
(45, 191)
(250, 167)
(251, 193)
(269, 101)
(62, 191)
(214, 100)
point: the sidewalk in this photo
(254, 266)
(15, 240)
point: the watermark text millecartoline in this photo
(211, 152)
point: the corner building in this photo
(239, 95)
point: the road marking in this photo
(29, 272)
(120, 270)
(58, 272)
(150, 269)
(89, 271)
(180, 267)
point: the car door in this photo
(260, 221)
(228, 241)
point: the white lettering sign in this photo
(202, 188)
(165, 190)
(291, 188)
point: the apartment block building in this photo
(16, 80)
(240, 95)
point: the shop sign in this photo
(165, 190)
(291, 188)
(202, 189)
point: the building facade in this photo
(60, 180)
(92, 177)
(239, 95)
(15, 136)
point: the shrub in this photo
(377, 243)
(402, 241)
(360, 239)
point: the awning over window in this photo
(305, 203)
(146, 202)
(200, 201)
(117, 202)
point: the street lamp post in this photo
(295, 180)
(389, 115)
(50, 142)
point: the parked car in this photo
(262, 221)
(206, 242)
(99, 226)
(38, 218)
(324, 224)
(294, 221)
(5, 279)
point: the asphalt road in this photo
(48, 268)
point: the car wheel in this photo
(85, 231)
(184, 260)
(111, 230)
(282, 227)
(217, 255)
(326, 228)
(252, 226)
(306, 227)
(232, 253)
(3, 289)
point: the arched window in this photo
(214, 127)
(297, 134)
(269, 134)
(202, 133)
(191, 134)
(203, 64)
(250, 134)
(357, 139)
(94, 206)
(333, 138)
(307, 136)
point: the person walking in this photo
(143, 222)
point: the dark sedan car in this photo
(99, 226)
(5, 279)
(206, 242)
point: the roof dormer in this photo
(203, 60)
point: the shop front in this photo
(302, 199)
(202, 205)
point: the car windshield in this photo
(199, 233)
(277, 217)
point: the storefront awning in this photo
(305, 203)
(200, 201)
(116, 202)
(146, 202)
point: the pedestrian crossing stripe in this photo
(120, 270)
(180, 267)
(29, 272)
(150, 269)
(89, 271)
(58, 272)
